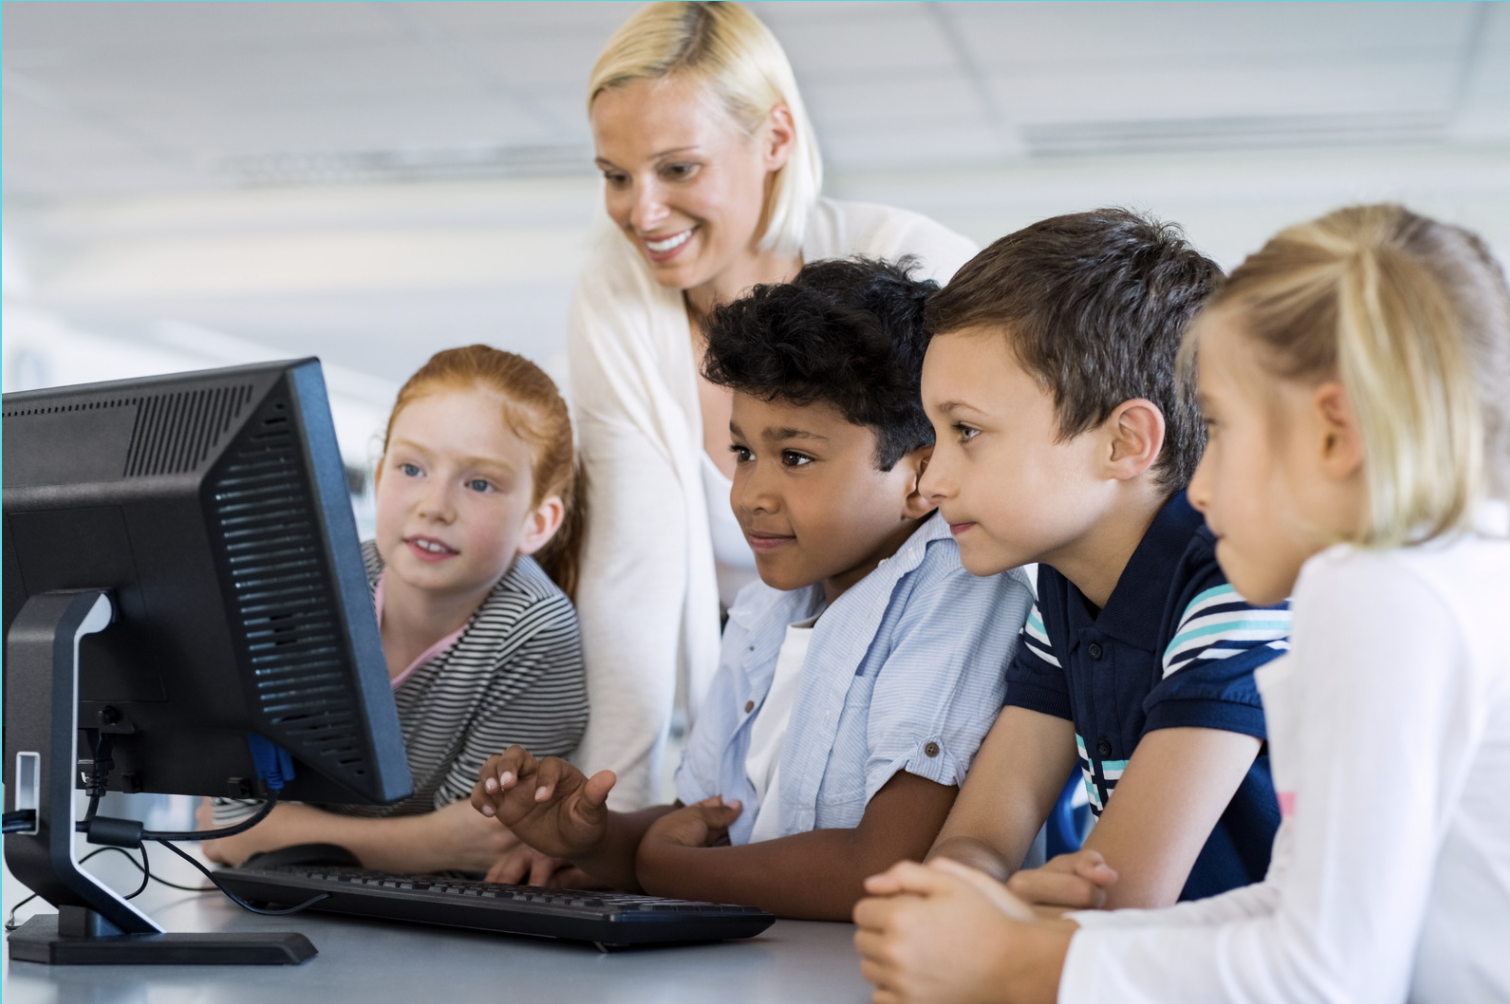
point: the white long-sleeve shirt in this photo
(1389, 738)
(647, 596)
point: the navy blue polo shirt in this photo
(1175, 646)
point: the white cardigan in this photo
(648, 596)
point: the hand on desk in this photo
(946, 933)
(549, 803)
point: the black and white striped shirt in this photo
(514, 676)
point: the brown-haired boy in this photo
(1063, 438)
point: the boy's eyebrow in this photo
(785, 433)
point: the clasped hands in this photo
(947, 933)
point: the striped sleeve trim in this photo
(1219, 624)
(1036, 637)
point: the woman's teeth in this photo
(674, 241)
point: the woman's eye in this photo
(616, 178)
(679, 172)
(791, 458)
(965, 433)
(410, 470)
(479, 485)
(742, 454)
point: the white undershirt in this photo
(733, 561)
(768, 731)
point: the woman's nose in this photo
(649, 209)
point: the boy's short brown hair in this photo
(1093, 306)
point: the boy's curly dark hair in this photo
(848, 332)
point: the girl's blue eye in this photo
(479, 485)
(965, 433)
(410, 470)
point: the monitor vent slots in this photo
(175, 433)
(271, 548)
(125, 402)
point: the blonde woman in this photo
(711, 181)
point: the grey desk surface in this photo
(366, 961)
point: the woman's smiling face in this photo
(685, 183)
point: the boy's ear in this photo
(1134, 436)
(541, 524)
(916, 504)
(1341, 444)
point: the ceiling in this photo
(104, 98)
(187, 183)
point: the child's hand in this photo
(549, 804)
(1075, 881)
(939, 932)
(701, 824)
(526, 866)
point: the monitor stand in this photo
(93, 926)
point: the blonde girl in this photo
(1355, 375)
(478, 523)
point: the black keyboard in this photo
(607, 919)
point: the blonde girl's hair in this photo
(1413, 317)
(533, 410)
(726, 48)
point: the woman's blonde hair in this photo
(725, 47)
(1413, 317)
(533, 410)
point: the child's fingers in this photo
(596, 790)
(549, 776)
(875, 913)
(1055, 888)
(999, 895)
(502, 772)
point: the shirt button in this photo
(749, 706)
(932, 749)
(1095, 650)
(1104, 748)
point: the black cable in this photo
(11, 925)
(230, 831)
(146, 867)
(20, 820)
(235, 898)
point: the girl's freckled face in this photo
(453, 492)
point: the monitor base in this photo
(38, 940)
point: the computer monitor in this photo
(182, 574)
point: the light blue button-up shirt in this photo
(906, 671)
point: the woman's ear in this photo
(541, 524)
(1135, 435)
(916, 504)
(1341, 446)
(779, 138)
